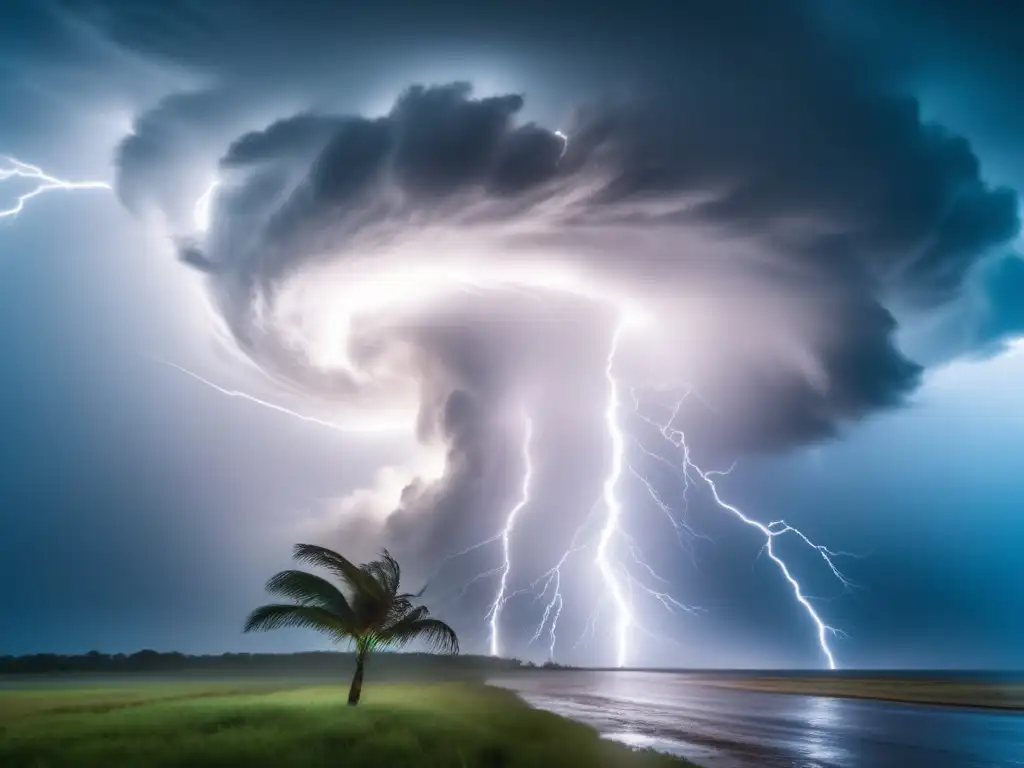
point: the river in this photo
(727, 728)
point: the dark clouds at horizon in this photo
(752, 163)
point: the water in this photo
(722, 728)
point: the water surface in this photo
(723, 728)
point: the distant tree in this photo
(368, 610)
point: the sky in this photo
(597, 255)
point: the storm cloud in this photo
(796, 205)
(781, 215)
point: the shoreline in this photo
(974, 696)
(695, 716)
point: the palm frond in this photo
(402, 612)
(433, 633)
(358, 580)
(310, 589)
(278, 616)
(401, 606)
(417, 624)
(385, 571)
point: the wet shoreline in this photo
(725, 726)
(994, 696)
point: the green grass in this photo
(207, 725)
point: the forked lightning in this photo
(613, 541)
(691, 472)
(506, 536)
(11, 168)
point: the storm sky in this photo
(425, 226)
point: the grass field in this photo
(254, 725)
(954, 692)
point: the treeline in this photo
(313, 663)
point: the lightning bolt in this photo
(203, 209)
(11, 168)
(616, 576)
(665, 598)
(619, 580)
(613, 507)
(692, 472)
(552, 581)
(338, 426)
(589, 628)
(506, 535)
(685, 533)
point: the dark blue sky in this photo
(141, 509)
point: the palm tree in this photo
(368, 611)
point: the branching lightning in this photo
(11, 168)
(506, 536)
(615, 575)
(553, 609)
(613, 544)
(552, 583)
(589, 627)
(618, 578)
(666, 599)
(691, 472)
(685, 533)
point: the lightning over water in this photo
(645, 337)
(42, 182)
(613, 507)
(624, 570)
(506, 535)
(621, 579)
(552, 584)
(692, 472)
(553, 609)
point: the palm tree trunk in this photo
(356, 690)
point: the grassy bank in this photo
(956, 693)
(257, 725)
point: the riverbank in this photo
(211, 725)
(934, 691)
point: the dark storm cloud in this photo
(963, 57)
(712, 162)
(151, 172)
(1004, 289)
(868, 207)
(757, 171)
(437, 144)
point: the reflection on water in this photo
(721, 728)
(823, 717)
(701, 755)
